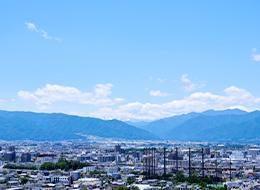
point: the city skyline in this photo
(129, 95)
(129, 60)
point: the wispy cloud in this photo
(158, 79)
(161, 80)
(255, 56)
(33, 28)
(158, 93)
(189, 85)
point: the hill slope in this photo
(43, 126)
(227, 125)
(163, 126)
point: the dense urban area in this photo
(112, 164)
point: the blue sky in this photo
(131, 60)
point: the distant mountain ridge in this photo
(57, 126)
(224, 112)
(226, 125)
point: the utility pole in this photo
(216, 164)
(177, 159)
(144, 161)
(230, 168)
(202, 162)
(189, 163)
(164, 161)
(148, 163)
(154, 161)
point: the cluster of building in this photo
(111, 164)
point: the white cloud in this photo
(158, 93)
(255, 55)
(188, 84)
(158, 79)
(161, 80)
(232, 97)
(100, 103)
(32, 27)
(103, 90)
(4, 101)
(53, 93)
(46, 36)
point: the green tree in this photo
(130, 180)
(122, 188)
(24, 180)
(63, 164)
(179, 177)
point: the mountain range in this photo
(227, 125)
(57, 126)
